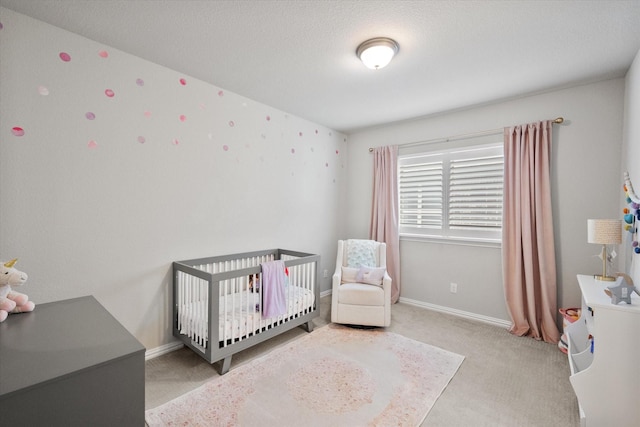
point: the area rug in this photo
(334, 376)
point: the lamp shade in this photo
(377, 53)
(604, 231)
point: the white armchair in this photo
(361, 292)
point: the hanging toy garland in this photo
(632, 212)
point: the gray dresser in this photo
(70, 363)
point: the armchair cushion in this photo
(361, 295)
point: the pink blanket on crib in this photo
(274, 301)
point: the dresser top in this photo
(594, 295)
(59, 339)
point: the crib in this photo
(217, 308)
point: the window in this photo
(452, 194)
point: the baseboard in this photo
(173, 346)
(163, 349)
(467, 315)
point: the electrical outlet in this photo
(326, 274)
(453, 287)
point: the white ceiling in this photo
(299, 56)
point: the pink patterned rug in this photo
(334, 376)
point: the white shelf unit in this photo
(604, 350)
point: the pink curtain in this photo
(528, 254)
(384, 211)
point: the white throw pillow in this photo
(371, 275)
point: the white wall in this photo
(109, 220)
(586, 181)
(631, 158)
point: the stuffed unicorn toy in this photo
(11, 301)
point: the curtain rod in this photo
(557, 120)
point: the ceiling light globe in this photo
(377, 53)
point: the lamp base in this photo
(605, 278)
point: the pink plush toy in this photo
(10, 301)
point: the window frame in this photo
(474, 148)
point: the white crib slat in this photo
(204, 309)
(225, 290)
(187, 288)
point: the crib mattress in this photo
(239, 314)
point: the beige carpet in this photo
(335, 376)
(505, 380)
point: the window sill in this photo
(463, 241)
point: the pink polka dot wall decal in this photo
(90, 116)
(231, 123)
(183, 82)
(147, 114)
(300, 133)
(225, 147)
(142, 139)
(140, 82)
(65, 56)
(326, 165)
(337, 152)
(183, 118)
(268, 118)
(109, 93)
(1, 26)
(316, 131)
(103, 54)
(92, 144)
(17, 131)
(293, 151)
(175, 142)
(220, 93)
(43, 91)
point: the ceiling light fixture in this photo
(377, 53)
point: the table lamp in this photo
(604, 232)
